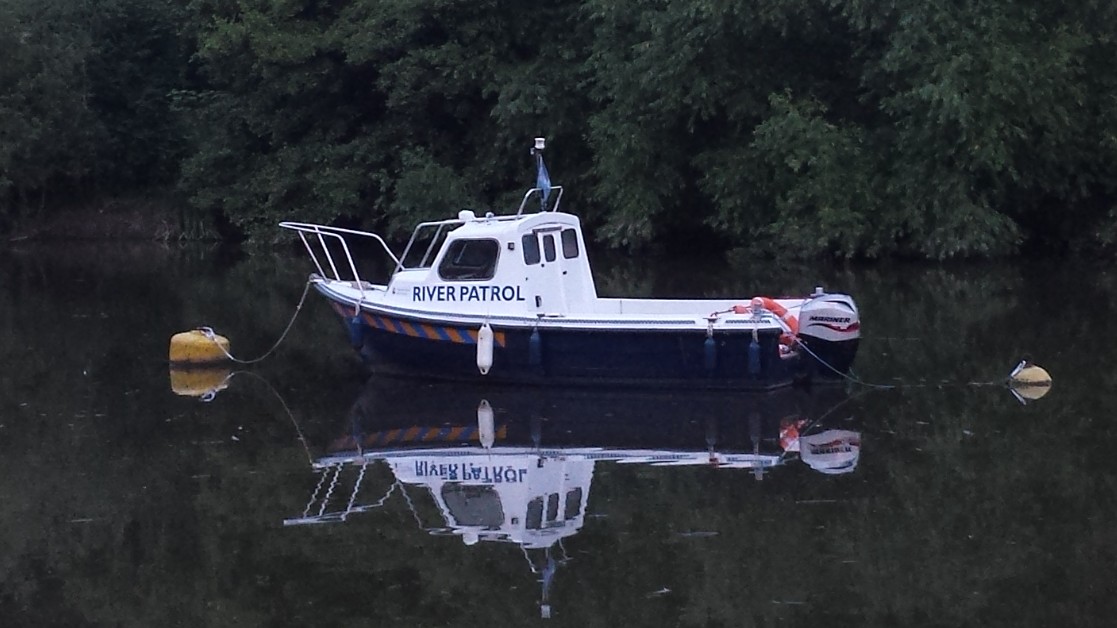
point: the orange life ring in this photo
(775, 308)
(772, 306)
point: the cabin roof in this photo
(491, 226)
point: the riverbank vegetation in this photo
(795, 128)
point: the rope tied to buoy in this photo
(209, 333)
(1027, 382)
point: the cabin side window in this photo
(531, 249)
(549, 247)
(569, 243)
(469, 260)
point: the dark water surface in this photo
(125, 501)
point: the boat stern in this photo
(830, 329)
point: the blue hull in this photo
(398, 345)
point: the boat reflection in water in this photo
(515, 466)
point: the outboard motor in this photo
(830, 327)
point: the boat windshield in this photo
(425, 244)
(469, 260)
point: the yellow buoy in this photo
(197, 347)
(1030, 381)
(199, 382)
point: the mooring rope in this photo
(1004, 381)
(851, 378)
(212, 335)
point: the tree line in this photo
(794, 128)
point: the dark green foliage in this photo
(140, 59)
(983, 118)
(812, 127)
(84, 106)
(802, 187)
(47, 129)
(374, 111)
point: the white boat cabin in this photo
(517, 267)
(527, 264)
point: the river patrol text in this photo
(466, 293)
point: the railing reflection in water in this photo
(516, 466)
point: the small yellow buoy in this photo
(199, 382)
(1029, 381)
(198, 347)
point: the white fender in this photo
(485, 424)
(485, 349)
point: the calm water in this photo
(126, 501)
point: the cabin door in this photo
(546, 276)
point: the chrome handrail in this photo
(321, 232)
(324, 232)
(532, 191)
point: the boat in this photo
(511, 298)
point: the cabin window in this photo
(549, 247)
(569, 243)
(469, 260)
(531, 249)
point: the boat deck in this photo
(700, 313)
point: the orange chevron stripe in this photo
(411, 433)
(420, 330)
